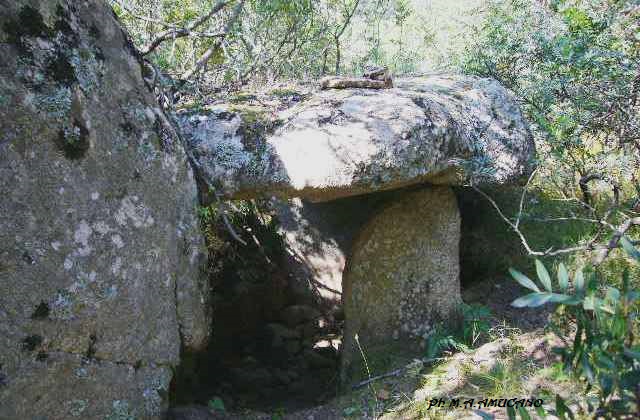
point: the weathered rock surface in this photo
(436, 129)
(319, 237)
(100, 250)
(403, 275)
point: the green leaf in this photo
(523, 413)
(484, 415)
(632, 353)
(579, 281)
(608, 309)
(589, 303)
(541, 412)
(586, 367)
(605, 361)
(216, 404)
(564, 299)
(523, 280)
(629, 248)
(563, 277)
(631, 379)
(543, 275)
(511, 413)
(613, 294)
(561, 408)
(532, 300)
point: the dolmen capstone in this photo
(363, 179)
(101, 254)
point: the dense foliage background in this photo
(300, 39)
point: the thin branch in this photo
(225, 219)
(143, 18)
(393, 373)
(167, 103)
(375, 378)
(263, 62)
(590, 246)
(614, 242)
(524, 193)
(177, 32)
(602, 222)
(207, 55)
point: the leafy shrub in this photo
(442, 340)
(475, 324)
(574, 67)
(605, 352)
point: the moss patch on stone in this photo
(73, 141)
(29, 22)
(61, 70)
(256, 124)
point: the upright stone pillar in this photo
(402, 278)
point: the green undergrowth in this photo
(522, 366)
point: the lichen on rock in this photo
(447, 130)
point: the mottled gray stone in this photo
(319, 237)
(67, 386)
(436, 129)
(100, 252)
(403, 275)
(193, 412)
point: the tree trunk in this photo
(337, 41)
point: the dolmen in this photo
(392, 261)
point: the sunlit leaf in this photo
(578, 281)
(564, 299)
(563, 277)
(589, 303)
(523, 280)
(629, 248)
(532, 300)
(613, 294)
(543, 275)
(540, 411)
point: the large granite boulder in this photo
(100, 250)
(437, 129)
